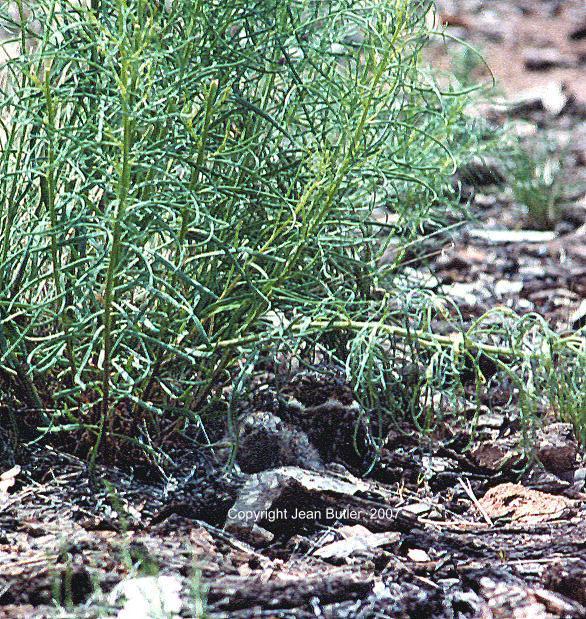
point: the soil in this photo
(453, 527)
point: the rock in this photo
(253, 505)
(490, 455)
(471, 294)
(523, 602)
(569, 579)
(356, 544)
(557, 449)
(258, 537)
(555, 604)
(550, 97)
(547, 58)
(353, 530)
(512, 236)
(419, 509)
(540, 479)
(8, 478)
(490, 420)
(505, 288)
(148, 596)
(578, 33)
(580, 479)
(578, 318)
(288, 498)
(523, 505)
(418, 556)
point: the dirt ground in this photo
(456, 527)
(526, 43)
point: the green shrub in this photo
(568, 395)
(536, 179)
(186, 185)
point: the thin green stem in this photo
(123, 191)
(424, 338)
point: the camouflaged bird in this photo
(313, 420)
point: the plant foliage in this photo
(185, 185)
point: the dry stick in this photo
(424, 338)
(468, 490)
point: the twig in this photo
(468, 490)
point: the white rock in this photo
(418, 555)
(337, 49)
(513, 236)
(352, 545)
(578, 318)
(505, 287)
(148, 597)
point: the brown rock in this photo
(520, 504)
(557, 448)
(569, 580)
(490, 455)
